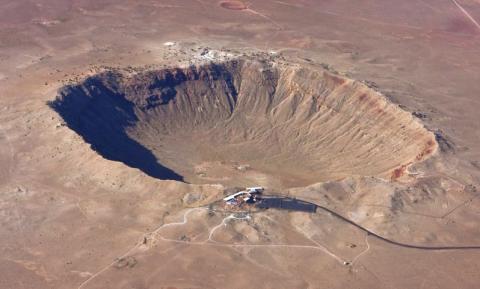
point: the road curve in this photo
(390, 241)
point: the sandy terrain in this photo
(369, 109)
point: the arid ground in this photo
(124, 123)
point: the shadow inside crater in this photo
(100, 113)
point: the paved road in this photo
(393, 242)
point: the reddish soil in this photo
(233, 5)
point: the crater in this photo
(244, 122)
(233, 5)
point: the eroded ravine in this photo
(244, 121)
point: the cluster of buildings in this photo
(249, 196)
(253, 196)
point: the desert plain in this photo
(123, 124)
